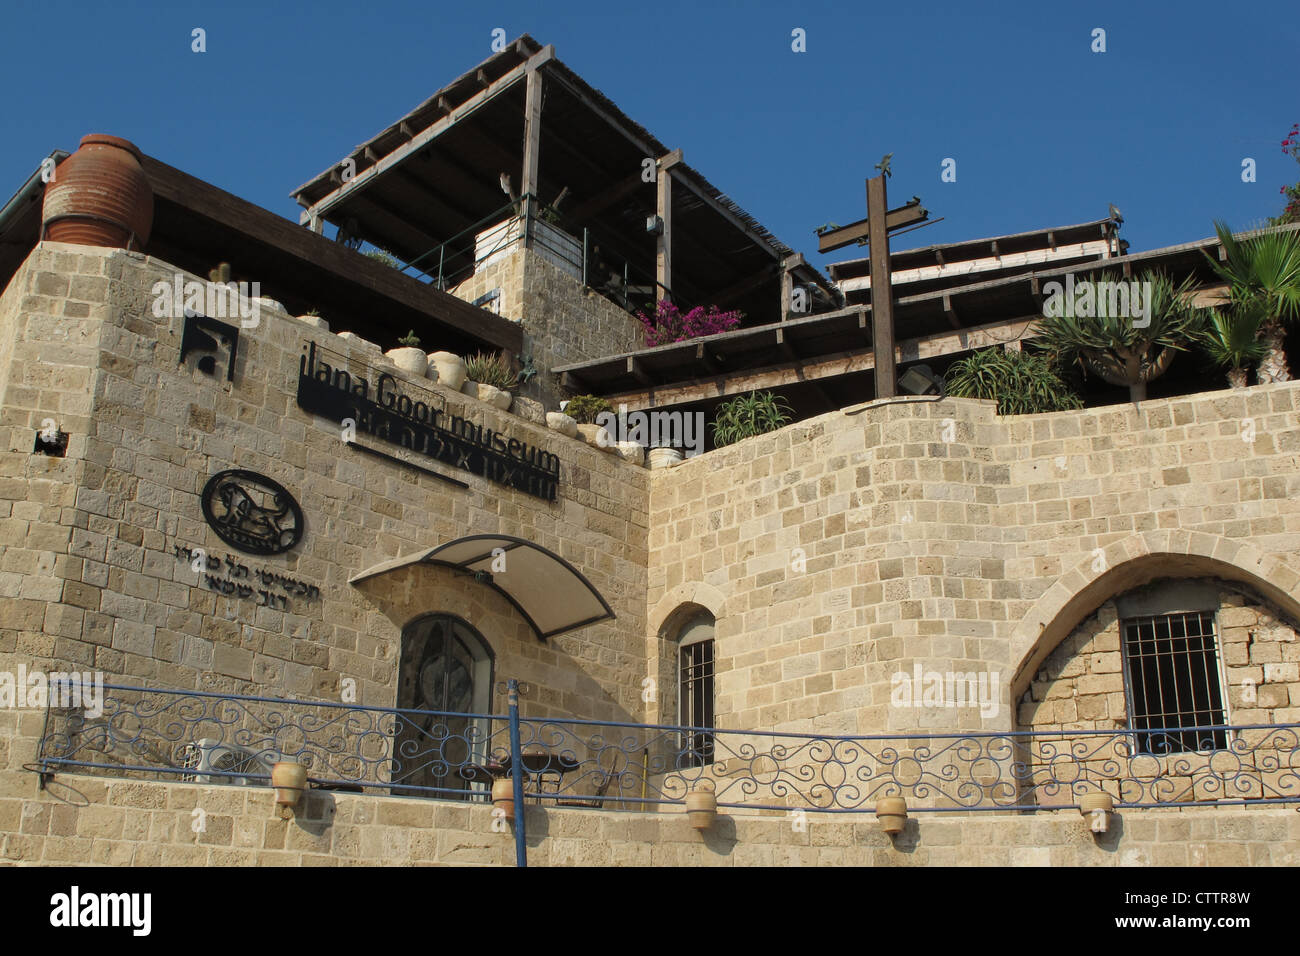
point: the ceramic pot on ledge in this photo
(99, 196)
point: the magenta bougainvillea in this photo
(670, 324)
(1290, 147)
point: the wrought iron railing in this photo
(213, 738)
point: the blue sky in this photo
(1044, 131)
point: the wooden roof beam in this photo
(704, 358)
(949, 312)
(811, 369)
(314, 251)
(433, 131)
(590, 208)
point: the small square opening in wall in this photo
(52, 442)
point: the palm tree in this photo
(1114, 346)
(1263, 273)
(1231, 339)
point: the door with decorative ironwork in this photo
(444, 678)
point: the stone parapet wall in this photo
(156, 824)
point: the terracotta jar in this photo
(100, 196)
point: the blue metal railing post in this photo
(517, 771)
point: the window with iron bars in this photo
(1174, 681)
(695, 693)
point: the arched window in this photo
(1172, 667)
(695, 689)
(445, 666)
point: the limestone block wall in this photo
(89, 569)
(151, 824)
(844, 550)
(1081, 683)
(562, 322)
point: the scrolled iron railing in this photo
(209, 737)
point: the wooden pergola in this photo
(423, 184)
(826, 361)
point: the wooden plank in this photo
(399, 155)
(532, 147)
(637, 372)
(664, 241)
(950, 313)
(737, 289)
(317, 252)
(704, 358)
(895, 219)
(882, 293)
(726, 384)
(590, 208)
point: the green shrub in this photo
(1022, 383)
(410, 340)
(490, 368)
(749, 415)
(585, 408)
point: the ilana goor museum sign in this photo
(386, 412)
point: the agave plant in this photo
(1113, 344)
(1263, 273)
(749, 415)
(490, 368)
(1022, 383)
(1232, 339)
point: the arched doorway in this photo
(445, 676)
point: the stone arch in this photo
(1133, 562)
(681, 602)
(665, 620)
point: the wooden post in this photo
(532, 145)
(664, 241)
(882, 293)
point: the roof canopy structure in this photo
(424, 185)
(197, 225)
(550, 593)
(825, 361)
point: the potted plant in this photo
(748, 415)
(586, 410)
(491, 378)
(409, 357)
(1021, 382)
(450, 368)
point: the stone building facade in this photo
(829, 557)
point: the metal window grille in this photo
(1174, 681)
(696, 696)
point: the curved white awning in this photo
(551, 594)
